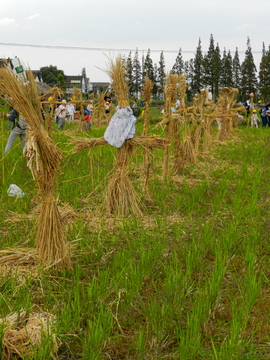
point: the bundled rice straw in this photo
(143, 141)
(171, 129)
(25, 340)
(116, 72)
(77, 94)
(178, 152)
(99, 110)
(122, 197)
(50, 240)
(189, 154)
(147, 90)
(55, 93)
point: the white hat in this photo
(64, 101)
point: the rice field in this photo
(188, 280)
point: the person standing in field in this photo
(61, 112)
(18, 129)
(267, 114)
(247, 105)
(135, 107)
(57, 106)
(71, 110)
(107, 98)
(254, 119)
(263, 116)
(88, 119)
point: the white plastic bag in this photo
(14, 190)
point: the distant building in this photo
(95, 86)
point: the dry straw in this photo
(116, 72)
(147, 90)
(56, 94)
(122, 198)
(77, 94)
(23, 339)
(22, 94)
(172, 129)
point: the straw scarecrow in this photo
(184, 152)
(225, 111)
(122, 198)
(172, 123)
(77, 95)
(100, 113)
(53, 94)
(147, 90)
(50, 241)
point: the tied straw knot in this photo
(48, 199)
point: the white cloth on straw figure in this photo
(121, 127)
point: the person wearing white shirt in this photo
(71, 110)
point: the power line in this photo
(58, 47)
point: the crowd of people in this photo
(17, 125)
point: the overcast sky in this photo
(124, 24)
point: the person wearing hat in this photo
(254, 119)
(88, 119)
(62, 111)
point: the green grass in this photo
(190, 280)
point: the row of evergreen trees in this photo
(211, 70)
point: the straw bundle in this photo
(189, 154)
(143, 141)
(86, 143)
(116, 72)
(183, 88)
(55, 93)
(199, 135)
(122, 198)
(50, 241)
(171, 94)
(147, 90)
(25, 341)
(18, 257)
(77, 95)
(99, 109)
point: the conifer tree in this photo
(248, 73)
(216, 70)
(161, 73)
(198, 69)
(148, 70)
(226, 72)
(178, 66)
(264, 75)
(155, 87)
(189, 73)
(222, 72)
(129, 73)
(137, 75)
(236, 71)
(208, 67)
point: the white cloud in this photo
(7, 22)
(32, 17)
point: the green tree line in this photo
(212, 70)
